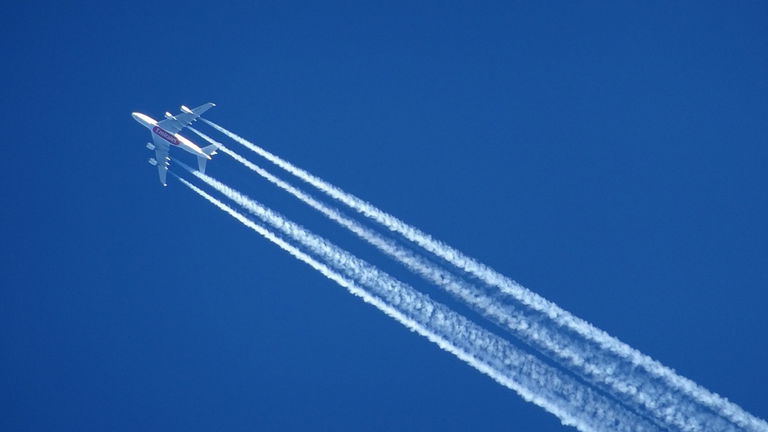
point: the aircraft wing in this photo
(174, 124)
(161, 156)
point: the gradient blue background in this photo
(610, 157)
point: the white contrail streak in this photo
(550, 341)
(572, 402)
(623, 353)
(655, 401)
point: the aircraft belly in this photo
(164, 135)
(192, 149)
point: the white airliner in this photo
(165, 133)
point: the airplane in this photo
(165, 134)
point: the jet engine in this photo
(168, 115)
(150, 146)
(152, 161)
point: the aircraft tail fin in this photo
(209, 151)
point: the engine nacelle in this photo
(150, 146)
(168, 115)
(152, 161)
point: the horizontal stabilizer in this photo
(210, 150)
(201, 164)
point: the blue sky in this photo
(609, 157)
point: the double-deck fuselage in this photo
(175, 140)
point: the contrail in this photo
(572, 402)
(663, 405)
(608, 344)
(548, 340)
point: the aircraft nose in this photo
(143, 120)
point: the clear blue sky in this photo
(609, 157)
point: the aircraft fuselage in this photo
(175, 140)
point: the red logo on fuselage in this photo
(164, 134)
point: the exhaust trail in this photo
(668, 408)
(572, 402)
(622, 353)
